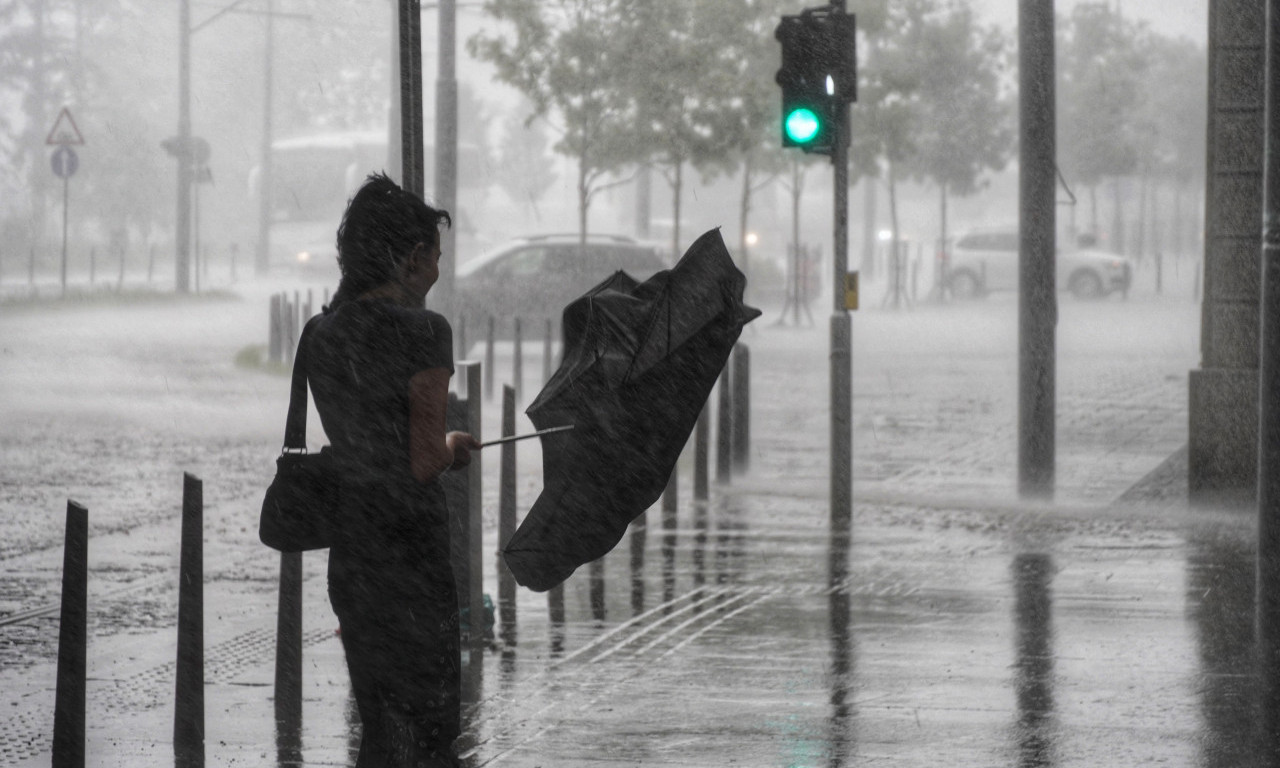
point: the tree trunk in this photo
(676, 189)
(584, 203)
(869, 229)
(894, 267)
(744, 210)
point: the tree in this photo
(563, 55)
(527, 170)
(1102, 62)
(966, 109)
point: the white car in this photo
(986, 260)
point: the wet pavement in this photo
(956, 625)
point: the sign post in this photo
(64, 135)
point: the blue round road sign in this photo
(65, 162)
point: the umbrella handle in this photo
(513, 438)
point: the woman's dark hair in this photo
(379, 229)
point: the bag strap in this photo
(295, 425)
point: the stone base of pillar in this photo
(1223, 440)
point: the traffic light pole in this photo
(841, 338)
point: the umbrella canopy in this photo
(640, 361)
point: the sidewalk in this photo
(967, 627)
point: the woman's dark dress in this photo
(390, 580)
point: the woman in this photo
(379, 373)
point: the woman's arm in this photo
(432, 450)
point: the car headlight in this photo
(304, 257)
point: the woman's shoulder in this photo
(420, 319)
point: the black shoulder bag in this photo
(301, 508)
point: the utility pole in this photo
(262, 251)
(1268, 572)
(182, 225)
(1037, 297)
(446, 160)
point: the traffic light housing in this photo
(819, 76)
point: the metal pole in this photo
(65, 195)
(188, 720)
(1268, 573)
(475, 509)
(507, 516)
(1037, 297)
(410, 95)
(262, 251)
(182, 226)
(288, 679)
(841, 341)
(69, 700)
(446, 170)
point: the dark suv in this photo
(535, 277)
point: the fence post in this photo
(488, 361)
(517, 362)
(741, 408)
(188, 721)
(288, 681)
(69, 701)
(701, 455)
(507, 517)
(475, 504)
(546, 355)
(724, 427)
(670, 503)
(273, 320)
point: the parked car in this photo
(536, 276)
(986, 260)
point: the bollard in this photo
(288, 682)
(701, 455)
(741, 408)
(724, 428)
(69, 701)
(188, 717)
(295, 319)
(546, 355)
(517, 362)
(460, 337)
(273, 330)
(475, 509)
(288, 329)
(596, 588)
(669, 508)
(507, 516)
(488, 361)
(638, 536)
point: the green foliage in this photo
(1103, 60)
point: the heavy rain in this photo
(910, 414)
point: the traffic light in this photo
(818, 77)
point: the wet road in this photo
(957, 625)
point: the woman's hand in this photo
(462, 444)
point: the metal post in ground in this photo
(31, 268)
(701, 455)
(460, 337)
(93, 265)
(151, 262)
(741, 408)
(546, 354)
(724, 428)
(475, 503)
(517, 362)
(69, 700)
(188, 720)
(488, 360)
(595, 575)
(288, 679)
(507, 517)
(670, 509)
(1268, 569)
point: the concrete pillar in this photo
(1223, 391)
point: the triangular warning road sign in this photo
(64, 130)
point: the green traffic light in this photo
(802, 125)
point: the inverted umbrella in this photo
(640, 361)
